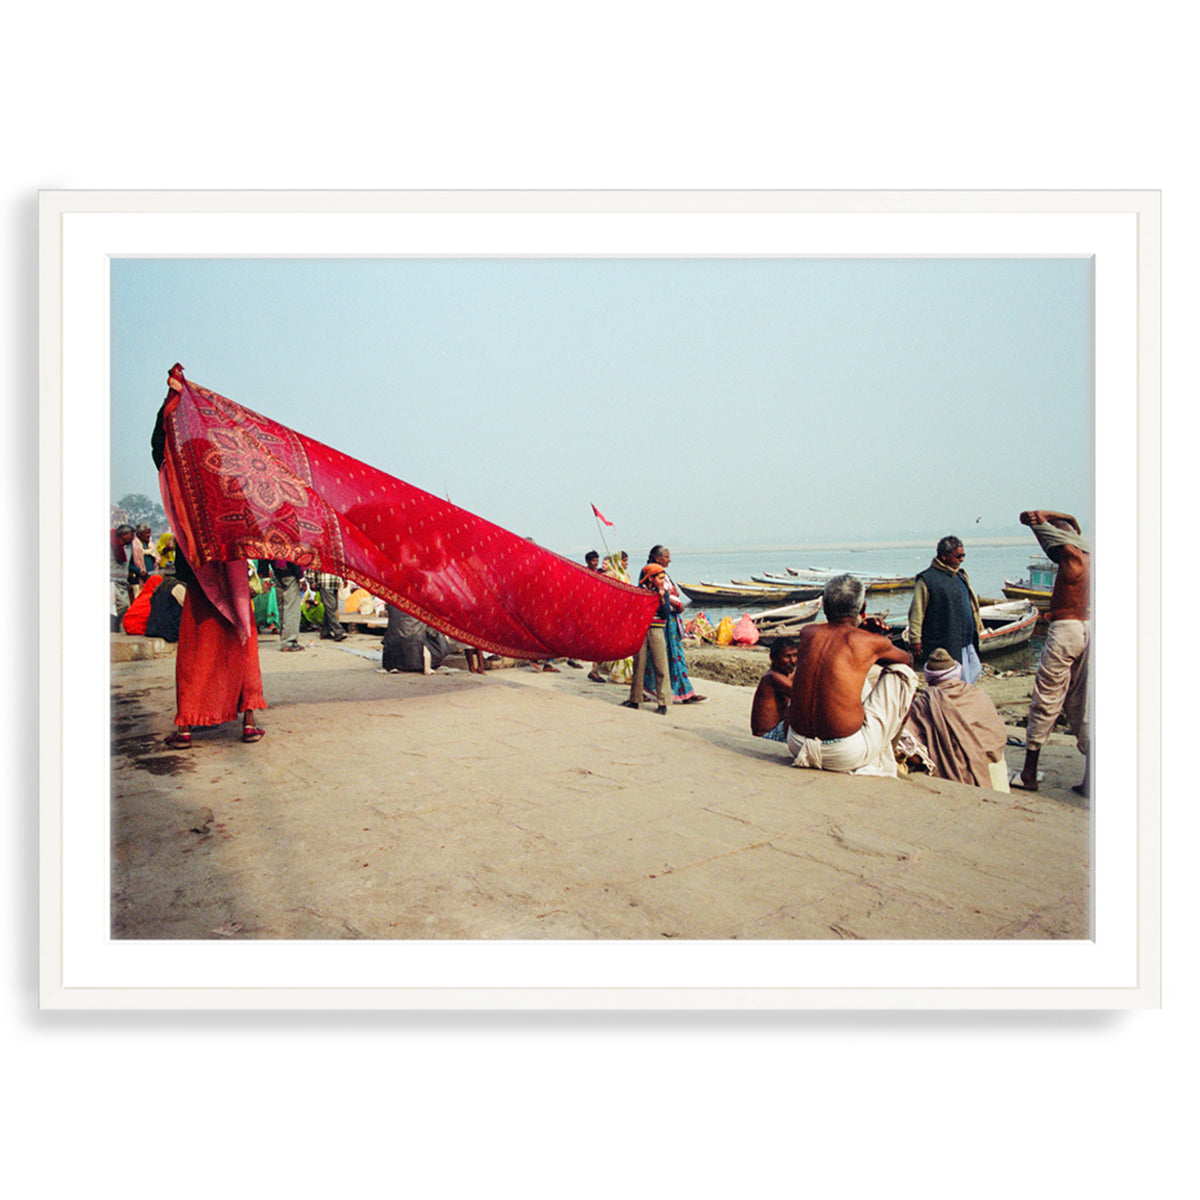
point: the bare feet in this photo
(1084, 786)
(1029, 776)
(1019, 780)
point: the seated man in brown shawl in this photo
(958, 732)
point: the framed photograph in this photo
(729, 384)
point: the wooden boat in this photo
(803, 610)
(1004, 626)
(786, 621)
(712, 593)
(891, 583)
(1037, 588)
(830, 572)
(1007, 625)
(819, 577)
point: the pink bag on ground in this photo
(745, 632)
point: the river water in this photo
(987, 565)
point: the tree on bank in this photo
(136, 509)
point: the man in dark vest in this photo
(945, 611)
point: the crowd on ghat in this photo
(841, 696)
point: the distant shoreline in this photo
(899, 545)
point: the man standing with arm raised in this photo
(836, 721)
(1061, 684)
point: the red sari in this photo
(217, 675)
(239, 485)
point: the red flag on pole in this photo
(600, 515)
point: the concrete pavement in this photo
(527, 805)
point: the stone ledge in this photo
(130, 648)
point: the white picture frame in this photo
(82, 968)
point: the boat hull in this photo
(786, 621)
(710, 594)
(896, 583)
(1016, 590)
(804, 610)
(1007, 625)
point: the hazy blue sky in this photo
(696, 402)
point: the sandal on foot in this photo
(179, 740)
(253, 733)
(629, 704)
(595, 678)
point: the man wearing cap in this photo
(654, 579)
(843, 716)
(945, 610)
(958, 733)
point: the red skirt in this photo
(217, 675)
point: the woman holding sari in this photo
(217, 674)
(681, 684)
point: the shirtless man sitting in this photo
(1061, 685)
(837, 721)
(768, 710)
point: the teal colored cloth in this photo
(266, 609)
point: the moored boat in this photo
(786, 621)
(1004, 626)
(712, 593)
(1007, 625)
(1037, 588)
(803, 610)
(820, 576)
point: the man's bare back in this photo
(832, 667)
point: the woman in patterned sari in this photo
(615, 566)
(681, 684)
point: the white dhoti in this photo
(1061, 685)
(868, 751)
